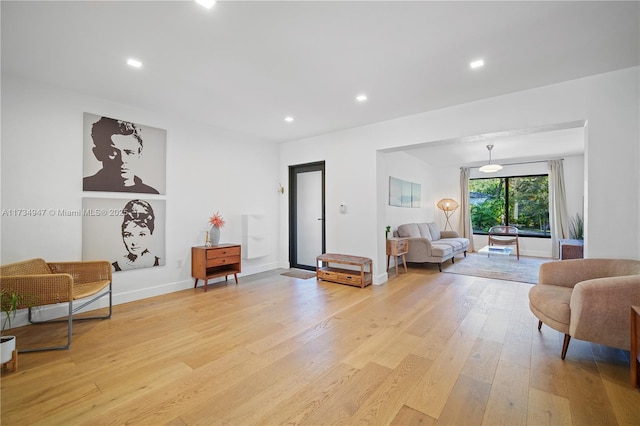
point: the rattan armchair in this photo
(49, 283)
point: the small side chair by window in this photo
(504, 236)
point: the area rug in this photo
(298, 273)
(498, 267)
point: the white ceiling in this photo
(244, 66)
(509, 147)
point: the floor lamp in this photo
(448, 206)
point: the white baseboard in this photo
(380, 278)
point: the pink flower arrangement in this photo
(216, 220)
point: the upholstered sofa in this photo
(427, 243)
(589, 299)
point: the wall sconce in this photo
(448, 206)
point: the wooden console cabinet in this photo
(215, 261)
(635, 346)
(361, 278)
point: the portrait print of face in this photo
(129, 233)
(138, 223)
(120, 156)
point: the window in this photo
(521, 201)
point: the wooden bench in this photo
(361, 278)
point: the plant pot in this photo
(7, 346)
(214, 235)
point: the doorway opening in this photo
(306, 214)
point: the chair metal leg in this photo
(109, 292)
(69, 320)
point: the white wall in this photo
(406, 167)
(208, 170)
(608, 103)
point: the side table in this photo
(571, 249)
(215, 261)
(397, 247)
(635, 346)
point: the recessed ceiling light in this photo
(477, 64)
(361, 98)
(206, 3)
(134, 63)
(288, 119)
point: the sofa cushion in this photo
(434, 230)
(455, 244)
(441, 250)
(459, 244)
(408, 230)
(424, 231)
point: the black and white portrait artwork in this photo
(130, 233)
(120, 156)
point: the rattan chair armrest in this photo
(41, 289)
(84, 271)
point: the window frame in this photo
(506, 200)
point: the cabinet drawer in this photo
(402, 246)
(218, 261)
(223, 252)
(327, 275)
(353, 279)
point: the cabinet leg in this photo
(236, 277)
(195, 284)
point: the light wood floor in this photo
(425, 348)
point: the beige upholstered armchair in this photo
(589, 299)
(50, 283)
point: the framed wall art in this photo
(121, 156)
(403, 193)
(130, 233)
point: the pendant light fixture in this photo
(490, 168)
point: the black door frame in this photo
(293, 213)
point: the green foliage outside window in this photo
(521, 201)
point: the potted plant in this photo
(576, 227)
(10, 302)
